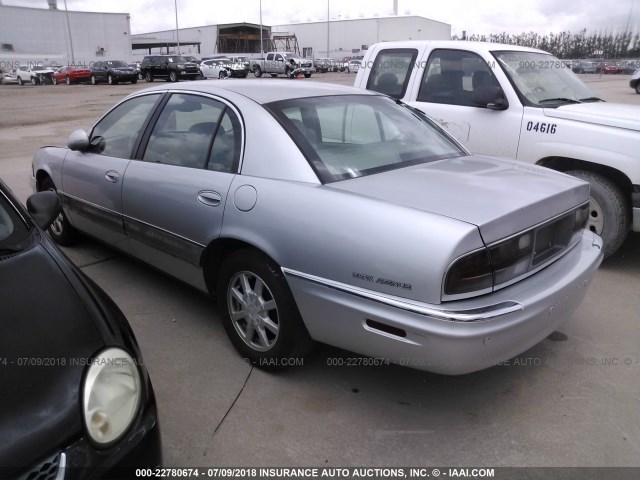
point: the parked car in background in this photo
(34, 74)
(112, 72)
(236, 66)
(76, 394)
(322, 65)
(283, 63)
(215, 68)
(521, 103)
(136, 67)
(70, 75)
(584, 66)
(630, 68)
(353, 65)
(611, 68)
(635, 81)
(8, 78)
(172, 68)
(369, 228)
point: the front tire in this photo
(34, 81)
(111, 80)
(609, 215)
(260, 314)
(134, 81)
(20, 82)
(257, 72)
(55, 81)
(60, 230)
(307, 75)
(67, 80)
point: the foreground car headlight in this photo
(111, 395)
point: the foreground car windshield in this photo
(543, 79)
(356, 135)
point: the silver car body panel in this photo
(357, 253)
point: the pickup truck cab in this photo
(522, 103)
(283, 63)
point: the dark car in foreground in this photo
(368, 228)
(113, 72)
(76, 398)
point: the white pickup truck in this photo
(285, 63)
(522, 103)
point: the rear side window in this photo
(391, 70)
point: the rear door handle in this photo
(212, 199)
(112, 176)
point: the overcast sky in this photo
(486, 16)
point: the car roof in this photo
(266, 91)
(458, 44)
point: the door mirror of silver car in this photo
(78, 141)
(44, 207)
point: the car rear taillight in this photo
(509, 260)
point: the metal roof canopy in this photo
(149, 43)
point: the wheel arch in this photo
(565, 164)
(217, 251)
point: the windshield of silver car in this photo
(350, 136)
(543, 80)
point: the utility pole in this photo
(177, 33)
(328, 56)
(261, 45)
(66, 11)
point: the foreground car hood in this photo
(42, 323)
(600, 113)
(501, 197)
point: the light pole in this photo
(328, 56)
(261, 46)
(66, 11)
(177, 34)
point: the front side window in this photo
(542, 80)
(184, 134)
(351, 136)
(391, 70)
(451, 76)
(120, 128)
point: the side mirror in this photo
(490, 97)
(78, 141)
(44, 207)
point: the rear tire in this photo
(260, 314)
(20, 82)
(94, 81)
(638, 88)
(60, 230)
(134, 81)
(148, 77)
(307, 75)
(67, 80)
(55, 80)
(609, 215)
(111, 80)
(173, 77)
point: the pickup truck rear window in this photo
(348, 136)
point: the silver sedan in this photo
(318, 212)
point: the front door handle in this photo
(212, 199)
(112, 176)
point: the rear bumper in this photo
(457, 337)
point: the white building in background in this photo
(41, 36)
(352, 36)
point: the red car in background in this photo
(71, 75)
(611, 68)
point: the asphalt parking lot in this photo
(572, 400)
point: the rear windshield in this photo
(117, 64)
(351, 136)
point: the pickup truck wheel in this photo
(257, 72)
(60, 230)
(260, 314)
(173, 77)
(148, 77)
(608, 212)
(93, 80)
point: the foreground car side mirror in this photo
(78, 141)
(492, 98)
(44, 207)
